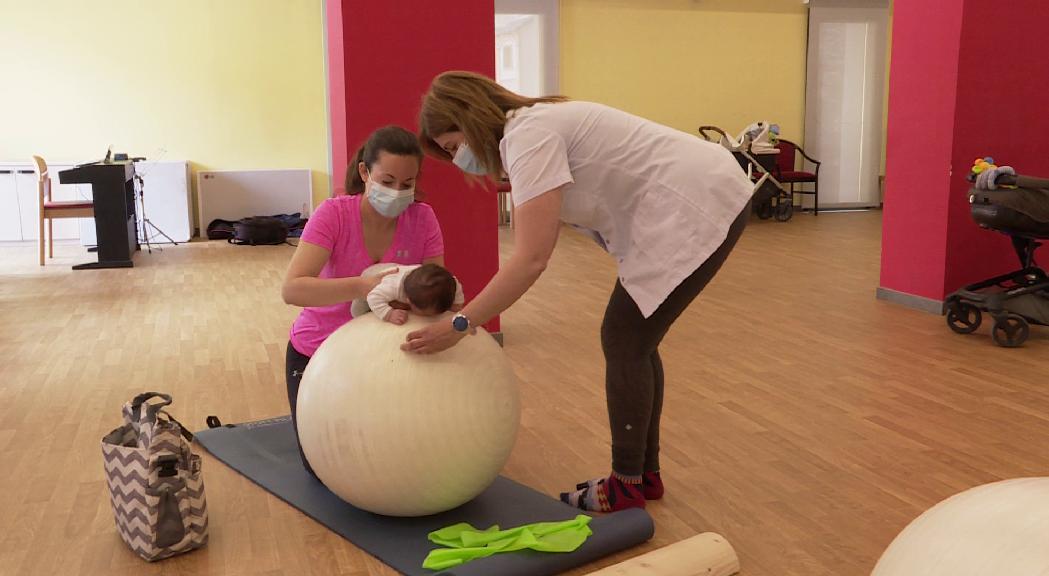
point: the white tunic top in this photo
(660, 201)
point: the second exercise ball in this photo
(1000, 528)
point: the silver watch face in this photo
(460, 323)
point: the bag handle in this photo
(185, 433)
(138, 401)
(157, 409)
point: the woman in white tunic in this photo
(668, 206)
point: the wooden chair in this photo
(50, 209)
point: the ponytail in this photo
(354, 182)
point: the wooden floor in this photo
(805, 420)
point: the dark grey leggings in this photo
(633, 369)
(294, 365)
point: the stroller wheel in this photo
(964, 318)
(1010, 331)
(784, 209)
(764, 210)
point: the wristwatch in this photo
(460, 322)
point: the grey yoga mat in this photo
(266, 452)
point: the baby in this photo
(426, 290)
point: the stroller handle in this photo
(704, 129)
(1021, 181)
(1006, 180)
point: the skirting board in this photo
(911, 301)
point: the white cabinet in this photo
(166, 196)
(19, 202)
(25, 185)
(10, 220)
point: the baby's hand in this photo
(397, 317)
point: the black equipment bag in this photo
(258, 230)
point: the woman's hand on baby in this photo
(373, 280)
(397, 317)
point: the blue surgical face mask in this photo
(389, 202)
(466, 161)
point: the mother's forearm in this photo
(309, 291)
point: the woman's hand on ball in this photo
(434, 338)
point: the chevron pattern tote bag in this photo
(154, 481)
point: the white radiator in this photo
(236, 194)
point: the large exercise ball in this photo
(1000, 528)
(405, 434)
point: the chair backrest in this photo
(786, 158)
(43, 183)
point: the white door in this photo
(527, 52)
(507, 63)
(844, 93)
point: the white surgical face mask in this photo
(389, 202)
(467, 162)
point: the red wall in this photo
(391, 52)
(968, 79)
(922, 85)
(1002, 111)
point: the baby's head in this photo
(430, 290)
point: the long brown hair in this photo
(474, 105)
(390, 139)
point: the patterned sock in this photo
(611, 494)
(651, 485)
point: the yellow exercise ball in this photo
(405, 434)
(1000, 528)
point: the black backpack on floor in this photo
(259, 230)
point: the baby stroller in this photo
(1020, 298)
(757, 158)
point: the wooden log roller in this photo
(706, 554)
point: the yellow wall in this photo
(684, 63)
(885, 94)
(225, 84)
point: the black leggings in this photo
(294, 365)
(633, 369)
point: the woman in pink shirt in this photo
(378, 221)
